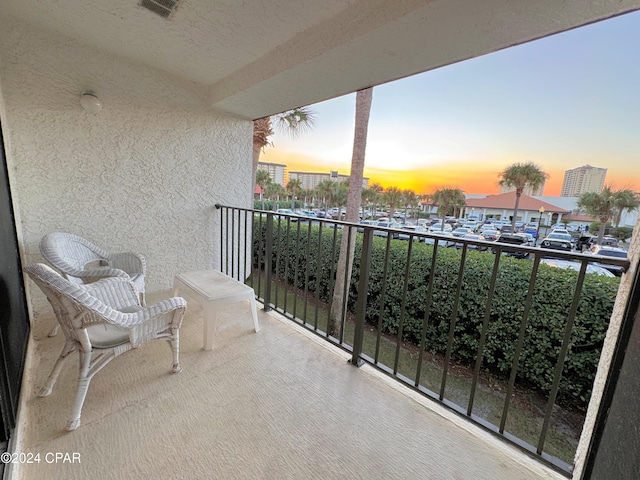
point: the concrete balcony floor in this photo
(279, 404)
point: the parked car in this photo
(515, 240)
(371, 223)
(490, 235)
(438, 228)
(461, 231)
(286, 211)
(587, 242)
(321, 214)
(476, 237)
(557, 241)
(406, 231)
(606, 241)
(442, 237)
(606, 251)
(471, 225)
(308, 214)
(530, 239)
(506, 228)
(384, 222)
(559, 226)
(591, 268)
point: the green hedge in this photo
(295, 253)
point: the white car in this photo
(411, 229)
(531, 241)
(438, 228)
(286, 211)
(562, 226)
(442, 239)
(461, 231)
(556, 262)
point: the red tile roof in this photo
(506, 201)
(579, 218)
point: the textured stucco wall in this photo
(141, 175)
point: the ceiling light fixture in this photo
(90, 102)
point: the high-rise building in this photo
(277, 172)
(310, 180)
(582, 180)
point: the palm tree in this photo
(340, 198)
(608, 204)
(377, 189)
(325, 190)
(409, 200)
(625, 200)
(427, 199)
(519, 176)
(448, 199)
(293, 121)
(354, 196)
(262, 180)
(392, 196)
(309, 193)
(294, 187)
(368, 196)
(274, 192)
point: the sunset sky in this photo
(561, 102)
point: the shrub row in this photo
(305, 258)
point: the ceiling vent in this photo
(164, 8)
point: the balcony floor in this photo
(277, 404)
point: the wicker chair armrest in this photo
(133, 263)
(164, 308)
(94, 274)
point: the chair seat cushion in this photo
(107, 336)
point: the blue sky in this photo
(563, 101)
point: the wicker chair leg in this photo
(83, 386)
(174, 343)
(54, 331)
(53, 377)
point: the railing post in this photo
(363, 288)
(268, 262)
(219, 207)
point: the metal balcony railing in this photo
(506, 342)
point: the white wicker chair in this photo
(103, 320)
(80, 261)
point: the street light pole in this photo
(540, 217)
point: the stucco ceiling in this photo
(259, 57)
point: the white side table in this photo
(212, 290)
